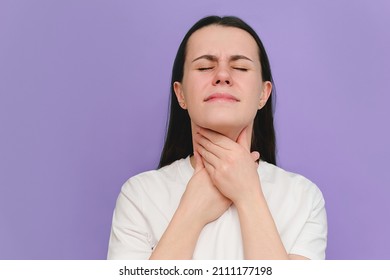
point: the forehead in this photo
(221, 40)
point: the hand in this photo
(201, 199)
(230, 165)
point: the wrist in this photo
(249, 201)
(249, 193)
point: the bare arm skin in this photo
(200, 204)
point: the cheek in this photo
(193, 96)
(193, 90)
(254, 93)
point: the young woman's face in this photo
(222, 85)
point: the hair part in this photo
(178, 141)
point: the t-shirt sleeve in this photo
(311, 242)
(131, 236)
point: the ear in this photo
(265, 93)
(178, 88)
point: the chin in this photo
(221, 121)
(223, 127)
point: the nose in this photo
(222, 77)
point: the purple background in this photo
(84, 89)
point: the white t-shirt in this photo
(148, 201)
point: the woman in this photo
(212, 198)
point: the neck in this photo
(231, 132)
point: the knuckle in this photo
(230, 160)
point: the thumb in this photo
(243, 139)
(198, 162)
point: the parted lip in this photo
(220, 95)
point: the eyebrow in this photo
(214, 58)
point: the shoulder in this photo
(156, 183)
(298, 208)
(278, 181)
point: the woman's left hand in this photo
(231, 165)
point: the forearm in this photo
(179, 239)
(261, 239)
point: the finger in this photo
(209, 146)
(217, 138)
(209, 168)
(199, 165)
(208, 157)
(244, 140)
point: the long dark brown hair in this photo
(178, 140)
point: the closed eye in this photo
(205, 68)
(240, 69)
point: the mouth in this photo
(221, 97)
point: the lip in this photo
(221, 97)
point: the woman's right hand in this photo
(202, 201)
